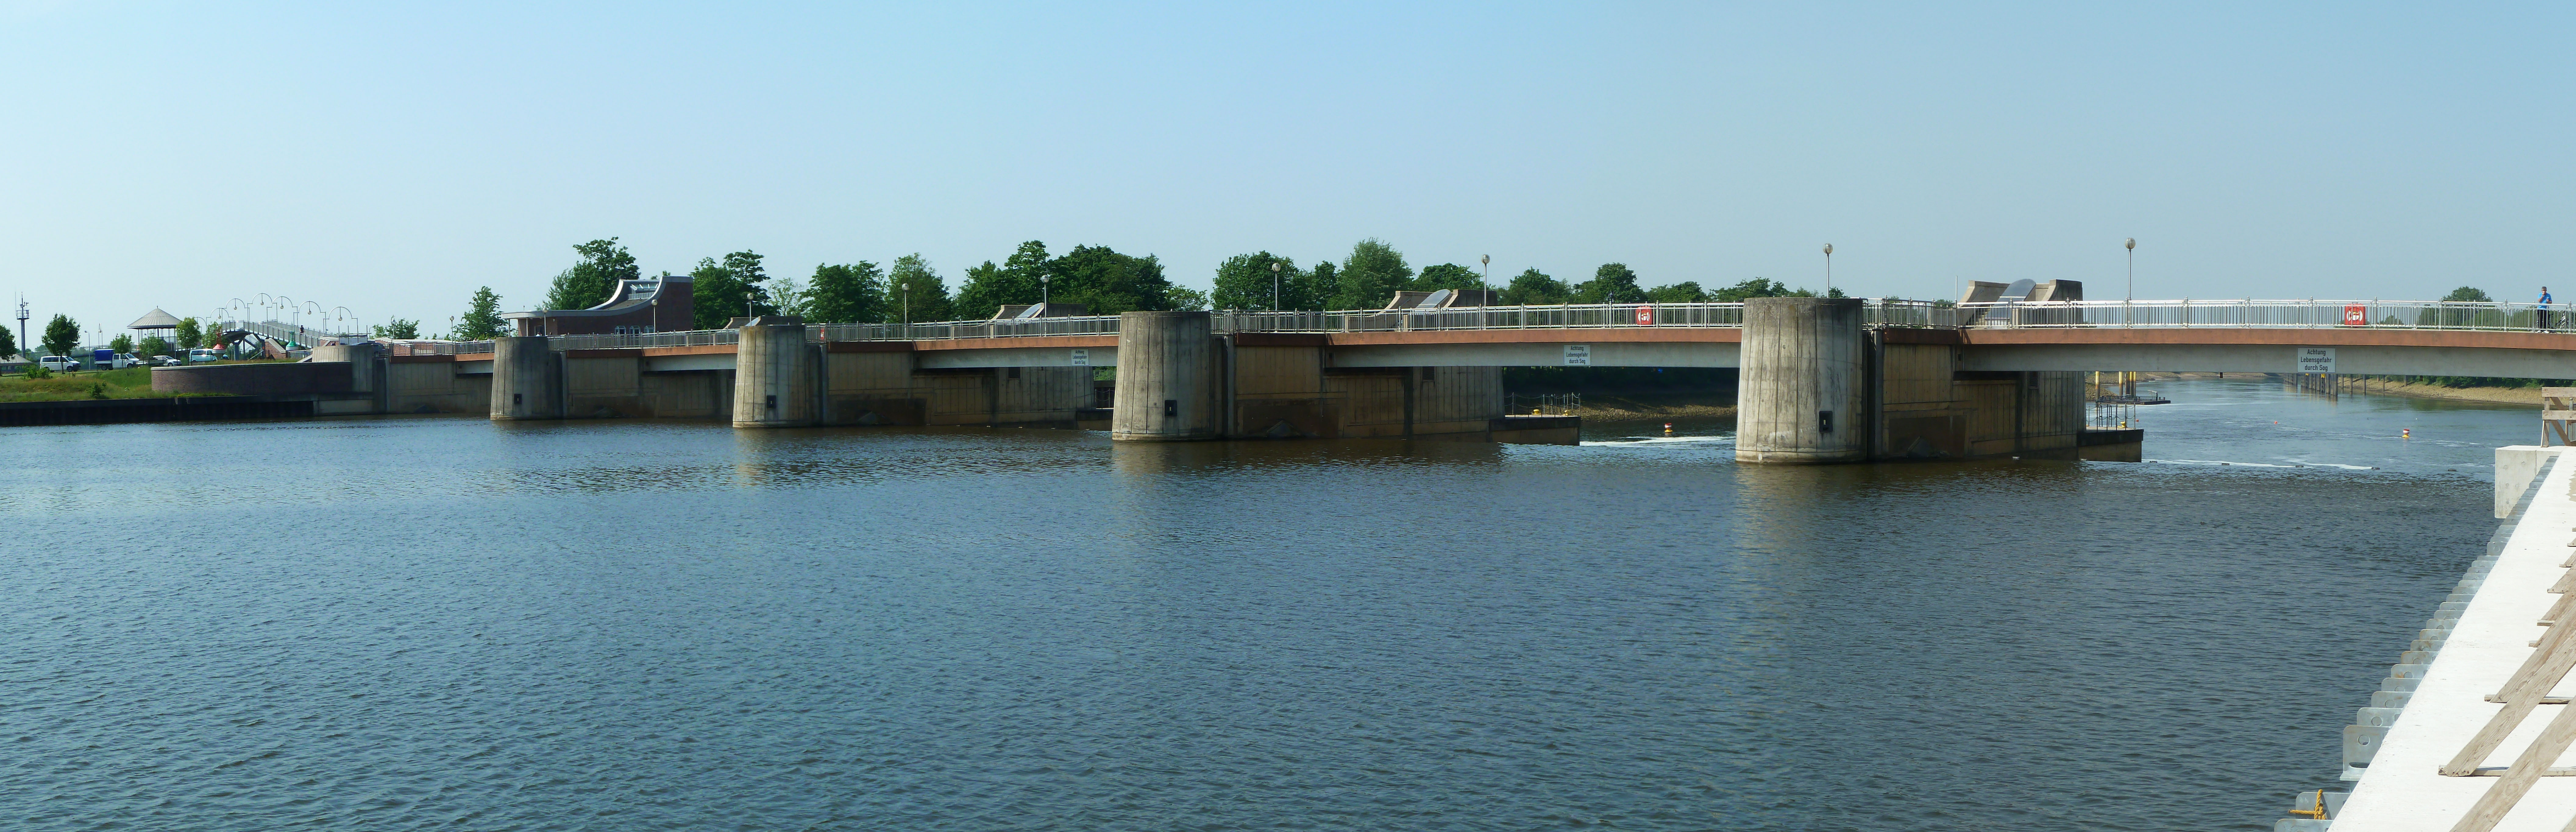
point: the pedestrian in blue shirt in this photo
(2543, 318)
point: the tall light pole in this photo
(2132, 245)
(1829, 270)
(22, 322)
(1274, 285)
(1042, 292)
(905, 289)
(1489, 270)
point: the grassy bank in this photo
(128, 383)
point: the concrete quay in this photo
(2470, 730)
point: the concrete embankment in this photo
(2453, 739)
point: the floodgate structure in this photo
(1821, 380)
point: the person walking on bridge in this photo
(2541, 320)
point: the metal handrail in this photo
(2257, 314)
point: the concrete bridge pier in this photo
(777, 381)
(1803, 395)
(527, 379)
(1168, 378)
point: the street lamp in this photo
(905, 289)
(1274, 285)
(1489, 270)
(1042, 292)
(1829, 269)
(2132, 245)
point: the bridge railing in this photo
(1875, 311)
(2268, 314)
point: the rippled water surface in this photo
(416, 623)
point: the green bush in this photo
(97, 390)
(38, 371)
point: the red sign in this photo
(1645, 316)
(2356, 316)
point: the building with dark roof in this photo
(652, 304)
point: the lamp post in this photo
(905, 289)
(2132, 296)
(1042, 292)
(1274, 285)
(1829, 270)
(1488, 260)
(346, 315)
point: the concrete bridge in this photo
(1823, 380)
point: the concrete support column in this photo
(1166, 378)
(777, 379)
(527, 379)
(1803, 390)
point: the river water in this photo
(422, 622)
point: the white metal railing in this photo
(301, 337)
(2274, 314)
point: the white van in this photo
(203, 356)
(59, 364)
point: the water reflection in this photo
(678, 624)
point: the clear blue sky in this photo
(391, 159)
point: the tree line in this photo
(1103, 280)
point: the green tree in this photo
(724, 290)
(61, 335)
(914, 288)
(589, 282)
(2468, 294)
(8, 342)
(1371, 276)
(1687, 291)
(1532, 288)
(851, 293)
(1244, 281)
(153, 345)
(482, 321)
(1612, 283)
(789, 296)
(1756, 288)
(122, 343)
(191, 334)
(988, 287)
(1445, 276)
(1185, 299)
(402, 328)
(1316, 291)
(1109, 282)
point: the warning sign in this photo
(2316, 359)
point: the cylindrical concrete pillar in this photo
(1165, 378)
(527, 379)
(1801, 395)
(774, 376)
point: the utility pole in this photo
(1829, 270)
(22, 322)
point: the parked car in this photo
(59, 364)
(202, 356)
(165, 361)
(127, 359)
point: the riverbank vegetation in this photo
(128, 383)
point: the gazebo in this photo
(156, 319)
